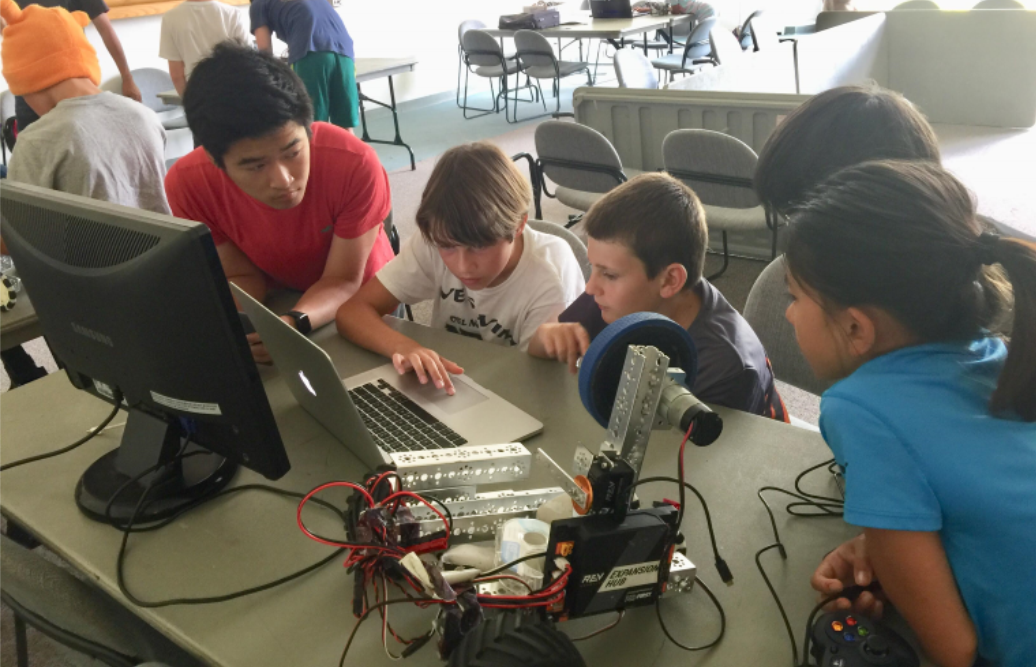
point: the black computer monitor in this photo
(136, 303)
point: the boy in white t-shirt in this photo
(192, 29)
(489, 275)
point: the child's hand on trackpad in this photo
(427, 365)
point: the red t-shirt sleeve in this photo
(185, 188)
(366, 199)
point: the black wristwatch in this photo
(301, 321)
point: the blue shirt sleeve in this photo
(257, 15)
(885, 486)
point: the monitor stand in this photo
(147, 441)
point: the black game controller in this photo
(846, 639)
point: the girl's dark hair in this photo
(240, 93)
(902, 236)
(836, 129)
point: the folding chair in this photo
(719, 168)
(538, 62)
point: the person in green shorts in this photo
(320, 51)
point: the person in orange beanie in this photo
(87, 142)
(97, 11)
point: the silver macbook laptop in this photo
(381, 411)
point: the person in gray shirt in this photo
(99, 145)
(87, 142)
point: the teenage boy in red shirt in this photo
(290, 203)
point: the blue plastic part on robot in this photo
(601, 368)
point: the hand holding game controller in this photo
(847, 639)
(845, 568)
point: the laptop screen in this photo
(611, 9)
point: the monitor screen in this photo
(134, 304)
(611, 9)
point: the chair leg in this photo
(21, 643)
(460, 66)
(726, 259)
(597, 61)
(409, 313)
(484, 112)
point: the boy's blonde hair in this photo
(476, 197)
(658, 218)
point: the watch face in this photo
(301, 321)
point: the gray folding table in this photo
(251, 538)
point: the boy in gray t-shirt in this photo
(87, 142)
(103, 146)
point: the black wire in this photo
(722, 621)
(127, 529)
(506, 566)
(78, 443)
(704, 505)
(798, 482)
(445, 509)
(683, 480)
(780, 607)
(721, 565)
(827, 507)
(601, 630)
(224, 492)
(363, 617)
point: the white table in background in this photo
(367, 69)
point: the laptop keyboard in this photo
(397, 424)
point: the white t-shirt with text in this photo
(546, 279)
(192, 29)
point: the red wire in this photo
(361, 555)
(554, 592)
(410, 494)
(331, 543)
(373, 486)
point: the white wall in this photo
(427, 30)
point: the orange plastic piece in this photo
(583, 483)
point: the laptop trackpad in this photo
(466, 396)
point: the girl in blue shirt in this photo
(895, 289)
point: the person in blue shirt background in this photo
(320, 51)
(933, 419)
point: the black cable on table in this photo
(128, 528)
(721, 565)
(776, 598)
(801, 475)
(78, 443)
(722, 621)
(826, 507)
(601, 631)
(373, 608)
